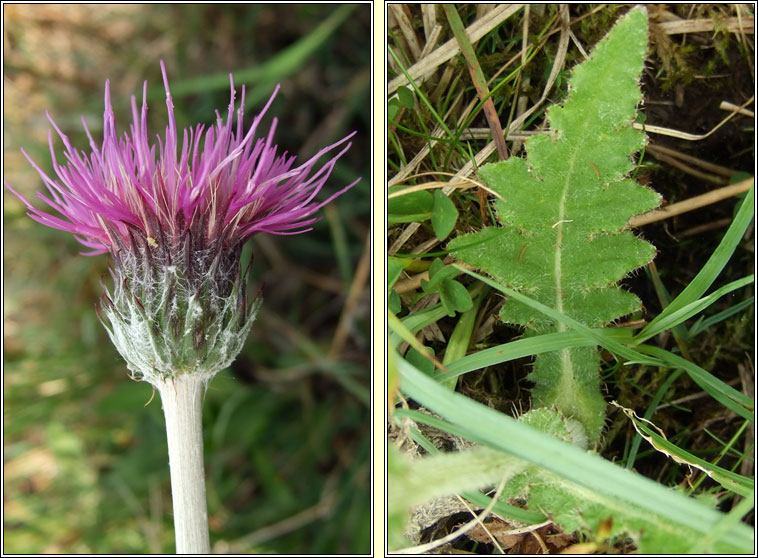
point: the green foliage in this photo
(394, 269)
(444, 215)
(409, 207)
(575, 488)
(564, 212)
(420, 206)
(453, 296)
(563, 482)
(405, 97)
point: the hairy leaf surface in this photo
(563, 237)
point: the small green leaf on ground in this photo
(405, 96)
(444, 215)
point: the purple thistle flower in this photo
(175, 222)
(233, 186)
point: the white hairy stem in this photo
(182, 407)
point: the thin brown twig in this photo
(688, 136)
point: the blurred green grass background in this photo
(287, 426)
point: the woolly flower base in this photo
(177, 309)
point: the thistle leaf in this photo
(564, 214)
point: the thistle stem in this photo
(182, 407)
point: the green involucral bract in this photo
(564, 211)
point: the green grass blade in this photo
(718, 260)
(287, 62)
(652, 406)
(600, 339)
(704, 324)
(406, 335)
(526, 347)
(720, 391)
(587, 470)
(673, 319)
(501, 508)
(421, 95)
(739, 484)
(460, 338)
(419, 320)
(733, 518)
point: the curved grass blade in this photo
(673, 319)
(738, 484)
(718, 260)
(720, 391)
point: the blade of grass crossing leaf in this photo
(527, 347)
(732, 519)
(434, 422)
(718, 260)
(607, 342)
(482, 500)
(586, 470)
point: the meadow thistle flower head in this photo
(174, 222)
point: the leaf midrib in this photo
(567, 367)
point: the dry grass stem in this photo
(693, 203)
(732, 24)
(475, 31)
(684, 135)
(354, 295)
(398, 10)
(726, 105)
(482, 156)
(718, 169)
